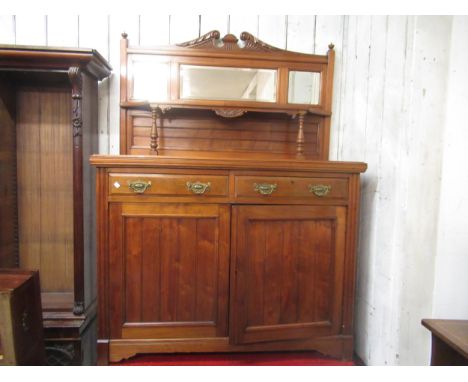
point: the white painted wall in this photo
(400, 104)
(451, 281)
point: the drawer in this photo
(291, 187)
(168, 184)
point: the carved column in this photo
(300, 136)
(154, 138)
(76, 80)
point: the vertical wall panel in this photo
(211, 22)
(243, 23)
(330, 29)
(31, 30)
(370, 149)
(154, 29)
(354, 98)
(301, 33)
(452, 245)
(7, 29)
(418, 210)
(184, 28)
(272, 30)
(390, 190)
(62, 30)
(118, 25)
(94, 33)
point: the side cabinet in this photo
(48, 130)
(287, 272)
(203, 257)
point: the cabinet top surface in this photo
(226, 163)
(452, 332)
(53, 58)
(11, 279)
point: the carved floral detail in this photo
(78, 308)
(203, 41)
(74, 74)
(253, 43)
(211, 40)
(230, 113)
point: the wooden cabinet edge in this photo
(110, 161)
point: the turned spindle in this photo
(154, 138)
(300, 136)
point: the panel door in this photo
(287, 272)
(168, 270)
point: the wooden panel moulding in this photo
(45, 185)
(76, 81)
(250, 134)
(9, 254)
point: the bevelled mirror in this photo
(228, 84)
(151, 77)
(304, 88)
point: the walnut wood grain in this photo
(182, 249)
(246, 52)
(32, 57)
(21, 330)
(9, 255)
(117, 350)
(118, 161)
(45, 185)
(291, 268)
(271, 240)
(169, 184)
(53, 94)
(264, 237)
(200, 132)
(449, 341)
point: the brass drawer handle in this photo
(319, 189)
(265, 188)
(198, 187)
(139, 186)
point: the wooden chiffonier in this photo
(223, 227)
(48, 130)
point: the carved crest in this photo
(212, 40)
(230, 113)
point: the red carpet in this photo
(235, 359)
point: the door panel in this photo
(287, 272)
(173, 281)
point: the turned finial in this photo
(124, 35)
(331, 46)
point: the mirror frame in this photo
(246, 52)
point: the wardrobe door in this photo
(168, 270)
(287, 272)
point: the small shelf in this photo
(284, 109)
